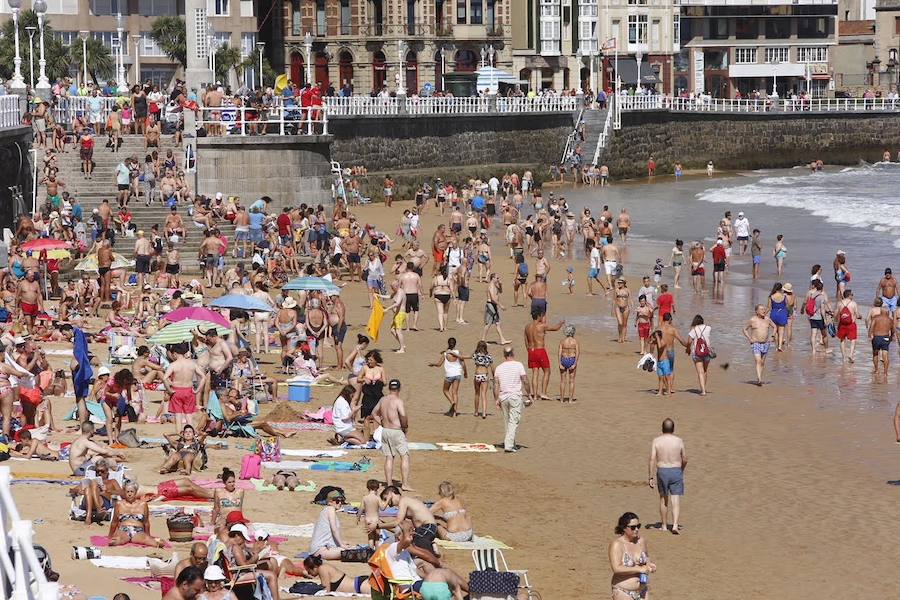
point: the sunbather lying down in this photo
(284, 479)
(231, 413)
(175, 488)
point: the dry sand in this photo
(779, 500)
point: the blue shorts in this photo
(241, 236)
(256, 235)
(757, 259)
(670, 481)
(663, 368)
(890, 303)
(593, 273)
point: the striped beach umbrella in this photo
(196, 313)
(89, 263)
(312, 284)
(183, 331)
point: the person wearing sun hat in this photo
(214, 579)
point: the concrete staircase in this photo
(594, 120)
(91, 193)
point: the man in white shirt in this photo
(595, 267)
(343, 419)
(742, 231)
(648, 290)
(494, 185)
(510, 386)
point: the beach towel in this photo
(461, 447)
(287, 593)
(303, 531)
(95, 413)
(371, 445)
(325, 465)
(153, 584)
(58, 351)
(375, 318)
(302, 425)
(422, 446)
(313, 453)
(132, 563)
(81, 379)
(214, 484)
(167, 511)
(42, 481)
(184, 499)
(262, 486)
(250, 466)
(478, 542)
(102, 541)
(220, 444)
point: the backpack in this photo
(522, 270)
(701, 347)
(810, 308)
(845, 318)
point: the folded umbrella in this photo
(183, 331)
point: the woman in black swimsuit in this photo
(335, 580)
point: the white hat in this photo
(840, 252)
(214, 573)
(289, 303)
(103, 371)
(242, 529)
(19, 340)
(720, 243)
(740, 213)
(218, 195)
(262, 534)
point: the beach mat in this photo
(154, 584)
(215, 484)
(132, 563)
(220, 444)
(102, 541)
(313, 453)
(287, 593)
(185, 499)
(41, 481)
(280, 529)
(422, 446)
(301, 425)
(464, 447)
(478, 543)
(324, 465)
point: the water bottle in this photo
(643, 578)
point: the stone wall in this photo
(289, 169)
(15, 174)
(385, 144)
(747, 141)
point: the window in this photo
(54, 7)
(296, 22)
(746, 29)
(67, 38)
(110, 39)
(718, 29)
(321, 19)
(247, 8)
(108, 7)
(490, 17)
(160, 76)
(778, 55)
(221, 39)
(200, 30)
(587, 26)
(778, 29)
(551, 27)
(157, 8)
(813, 27)
(149, 46)
(812, 54)
(217, 8)
(460, 12)
(676, 31)
(248, 44)
(475, 14)
(897, 25)
(744, 56)
(715, 60)
(654, 34)
(634, 2)
(637, 29)
(345, 17)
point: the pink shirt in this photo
(509, 374)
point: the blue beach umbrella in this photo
(311, 284)
(241, 302)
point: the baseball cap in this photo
(241, 529)
(720, 243)
(235, 516)
(103, 371)
(741, 213)
(218, 195)
(394, 384)
(262, 534)
(214, 573)
(570, 270)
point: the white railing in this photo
(604, 135)
(67, 107)
(10, 113)
(448, 105)
(23, 573)
(280, 120)
(414, 105)
(722, 105)
(538, 104)
(361, 105)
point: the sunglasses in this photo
(633, 527)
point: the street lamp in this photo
(210, 37)
(638, 56)
(260, 46)
(137, 58)
(492, 89)
(579, 55)
(774, 62)
(31, 31)
(43, 84)
(307, 41)
(401, 74)
(120, 75)
(17, 82)
(84, 38)
(483, 54)
(593, 56)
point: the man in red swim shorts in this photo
(28, 295)
(179, 381)
(537, 353)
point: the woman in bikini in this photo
(484, 374)
(335, 580)
(677, 262)
(114, 394)
(454, 523)
(186, 448)
(568, 354)
(227, 499)
(441, 292)
(780, 253)
(629, 559)
(286, 324)
(622, 308)
(130, 521)
(454, 371)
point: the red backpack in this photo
(845, 318)
(701, 348)
(811, 306)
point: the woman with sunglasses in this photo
(629, 560)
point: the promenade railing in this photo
(415, 105)
(281, 119)
(10, 111)
(762, 105)
(603, 140)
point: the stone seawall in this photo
(747, 141)
(406, 142)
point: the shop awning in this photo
(628, 72)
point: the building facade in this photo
(372, 44)
(232, 22)
(886, 64)
(730, 46)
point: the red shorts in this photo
(438, 257)
(644, 330)
(699, 271)
(538, 359)
(183, 401)
(168, 489)
(33, 395)
(30, 310)
(846, 332)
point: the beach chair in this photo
(492, 559)
(214, 408)
(122, 348)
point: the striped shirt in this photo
(509, 375)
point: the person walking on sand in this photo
(568, 353)
(700, 349)
(755, 253)
(390, 414)
(510, 387)
(643, 320)
(887, 291)
(668, 460)
(595, 267)
(454, 364)
(758, 332)
(780, 253)
(535, 333)
(847, 316)
(698, 271)
(623, 224)
(493, 307)
(881, 332)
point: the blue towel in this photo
(81, 379)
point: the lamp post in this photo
(43, 84)
(120, 75)
(31, 31)
(260, 46)
(210, 37)
(638, 56)
(483, 54)
(17, 82)
(137, 58)
(592, 56)
(307, 41)
(579, 55)
(84, 38)
(774, 62)
(401, 61)
(493, 86)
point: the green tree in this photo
(227, 58)
(55, 53)
(252, 62)
(170, 34)
(100, 62)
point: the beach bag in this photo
(494, 584)
(4, 315)
(251, 466)
(269, 449)
(832, 330)
(701, 348)
(845, 318)
(306, 588)
(810, 308)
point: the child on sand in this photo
(569, 281)
(370, 510)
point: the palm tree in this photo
(170, 35)
(227, 58)
(54, 52)
(100, 62)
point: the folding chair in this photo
(491, 559)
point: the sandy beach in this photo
(785, 491)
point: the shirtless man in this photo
(493, 307)
(220, 360)
(623, 224)
(208, 255)
(611, 261)
(439, 248)
(535, 333)
(668, 460)
(670, 335)
(399, 321)
(84, 450)
(143, 253)
(881, 332)
(417, 257)
(887, 291)
(336, 311)
(411, 284)
(351, 246)
(104, 264)
(664, 359)
(188, 585)
(198, 558)
(179, 381)
(213, 98)
(105, 212)
(390, 414)
(52, 186)
(174, 224)
(172, 263)
(415, 510)
(29, 299)
(517, 241)
(698, 271)
(643, 321)
(758, 331)
(537, 291)
(541, 266)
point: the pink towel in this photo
(102, 541)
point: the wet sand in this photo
(785, 492)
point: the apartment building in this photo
(232, 22)
(368, 44)
(730, 46)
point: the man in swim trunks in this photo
(84, 450)
(661, 345)
(29, 299)
(535, 333)
(668, 460)
(887, 290)
(643, 320)
(755, 253)
(438, 247)
(182, 380)
(611, 261)
(623, 223)
(758, 331)
(698, 272)
(881, 332)
(411, 284)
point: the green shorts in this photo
(435, 590)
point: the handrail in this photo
(10, 112)
(242, 120)
(761, 105)
(570, 139)
(604, 135)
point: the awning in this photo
(628, 72)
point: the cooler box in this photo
(299, 391)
